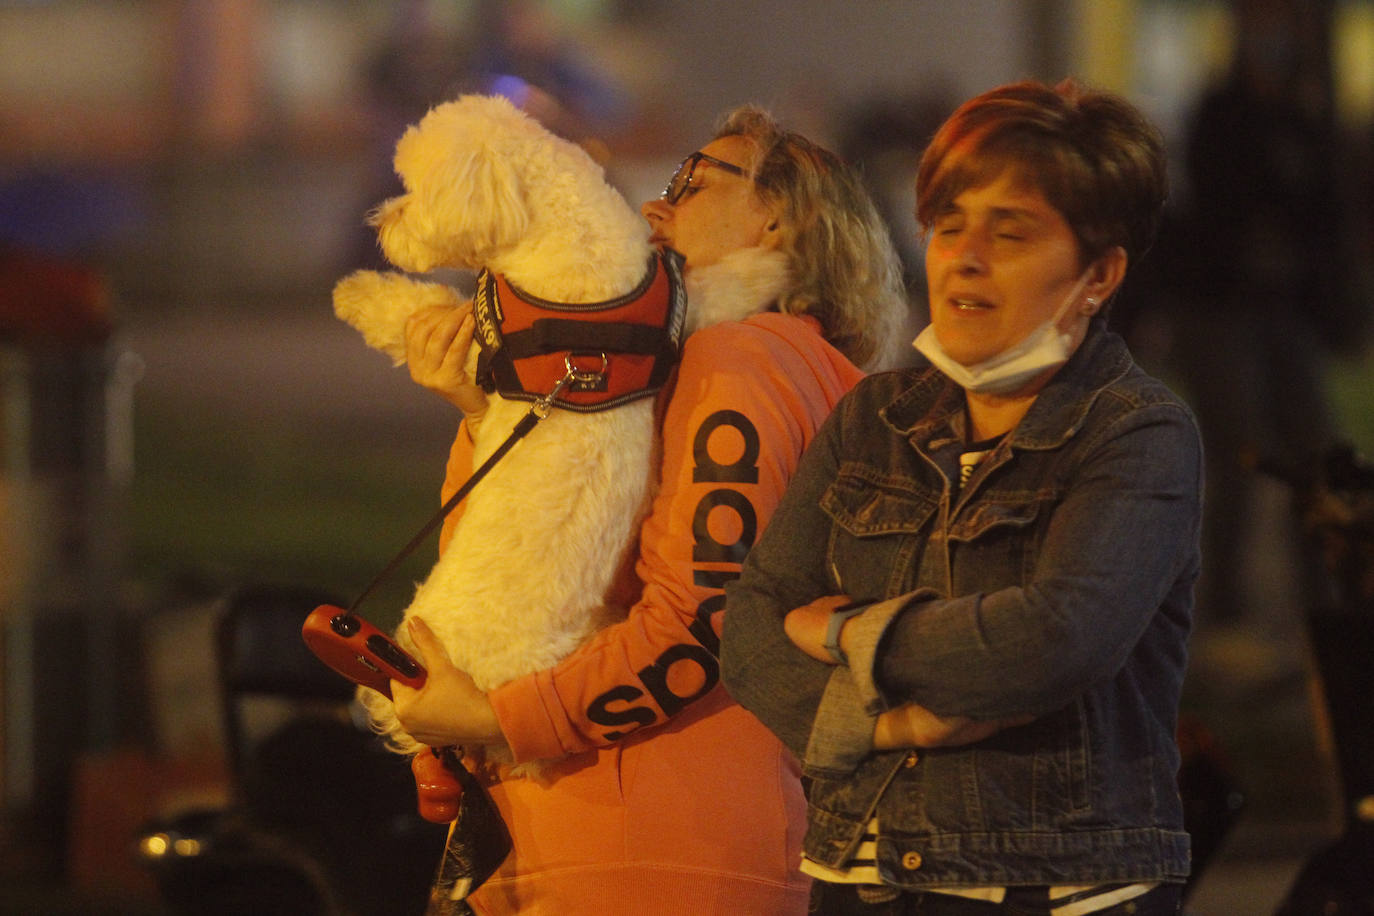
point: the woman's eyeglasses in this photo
(682, 178)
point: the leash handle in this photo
(538, 411)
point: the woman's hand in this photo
(449, 709)
(438, 341)
(805, 626)
(916, 726)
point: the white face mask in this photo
(1002, 373)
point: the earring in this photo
(1091, 306)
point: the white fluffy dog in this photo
(543, 537)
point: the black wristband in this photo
(835, 624)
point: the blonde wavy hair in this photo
(846, 273)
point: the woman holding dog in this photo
(968, 617)
(666, 796)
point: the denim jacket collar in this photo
(932, 410)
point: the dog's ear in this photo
(479, 203)
(466, 202)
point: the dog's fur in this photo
(544, 536)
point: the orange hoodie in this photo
(668, 797)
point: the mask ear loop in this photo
(1079, 285)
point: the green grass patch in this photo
(222, 500)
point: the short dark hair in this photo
(1093, 155)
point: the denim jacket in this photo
(1056, 582)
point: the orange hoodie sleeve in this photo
(749, 397)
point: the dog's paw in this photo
(378, 304)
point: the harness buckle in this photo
(587, 379)
(579, 379)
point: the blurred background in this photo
(183, 421)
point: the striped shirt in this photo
(1061, 900)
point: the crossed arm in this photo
(906, 726)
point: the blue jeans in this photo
(843, 900)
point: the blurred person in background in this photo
(883, 139)
(1263, 271)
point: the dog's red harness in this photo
(615, 351)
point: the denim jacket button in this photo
(911, 760)
(911, 861)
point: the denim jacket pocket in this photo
(867, 502)
(876, 519)
(1063, 770)
(991, 543)
(1015, 511)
